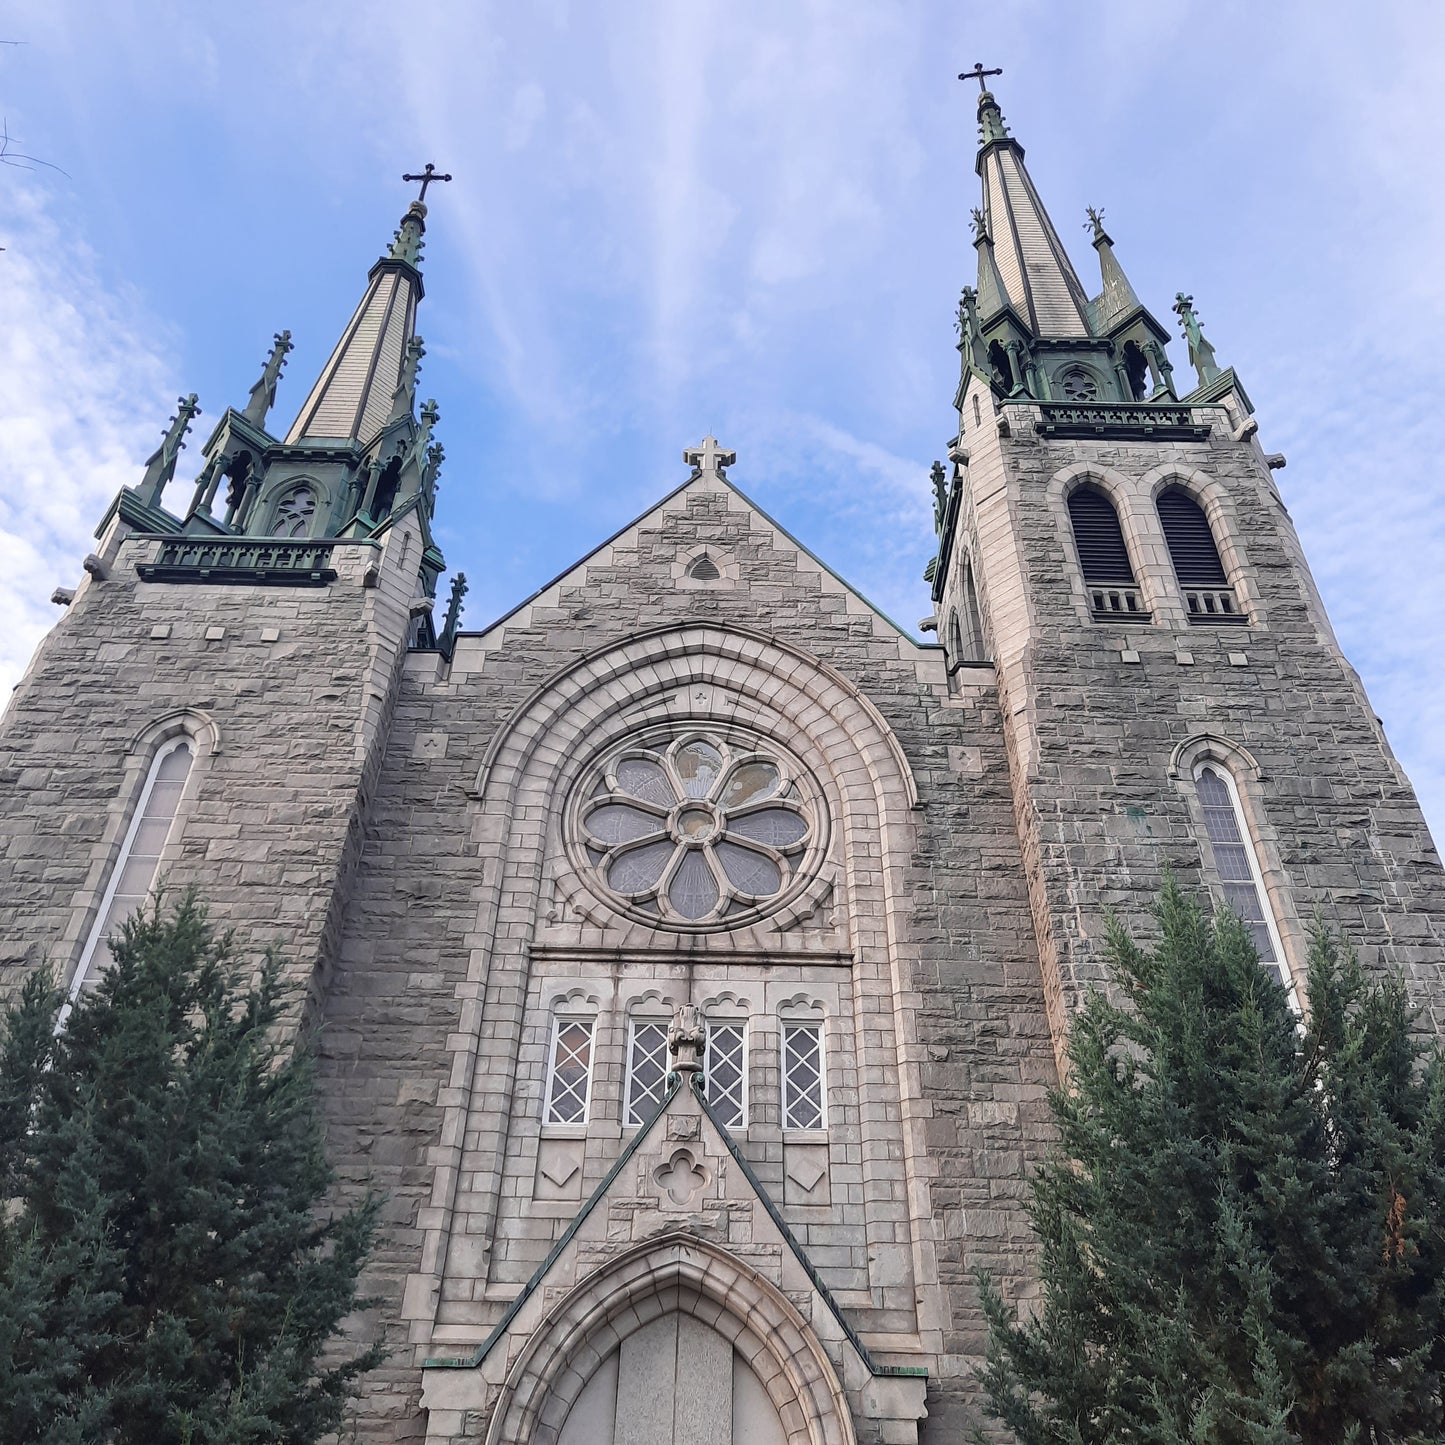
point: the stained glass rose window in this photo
(695, 829)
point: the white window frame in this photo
(1251, 854)
(559, 1022)
(742, 1026)
(94, 938)
(632, 1117)
(786, 1090)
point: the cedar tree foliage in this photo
(168, 1270)
(1242, 1224)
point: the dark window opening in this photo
(1002, 370)
(386, 490)
(1190, 540)
(1136, 368)
(1102, 552)
(704, 570)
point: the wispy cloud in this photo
(83, 393)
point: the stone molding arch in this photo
(683, 673)
(1142, 535)
(198, 725)
(675, 1271)
(667, 644)
(1223, 517)
(1201, 747)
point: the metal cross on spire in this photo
(426, 178)
(978, 73)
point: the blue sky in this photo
(670, 218)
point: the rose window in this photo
(695, 830)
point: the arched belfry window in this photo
(1237, 864)
(134, 873)
(1207, 594)
(1104, 557)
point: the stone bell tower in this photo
(233, 659)
(1114, 540)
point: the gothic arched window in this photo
(1104, 557)
(1236, 863)
(1202, 579)
(294, 513)
(133, 875)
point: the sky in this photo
(675, 217)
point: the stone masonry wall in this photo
(296, 684)
(406, 1002)
(1095, 710)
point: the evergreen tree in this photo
(1242, 1226)
(167, 1270)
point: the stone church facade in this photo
(694, 949)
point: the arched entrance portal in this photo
(674, 1342)
(676, 1381)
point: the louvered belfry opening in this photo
(1208, 597)
(1108, 575)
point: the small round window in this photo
(696, 830)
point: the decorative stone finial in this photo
(1201, 353)
(686, 1040)
(1096, 222)
(263, 394)
(940, 495)
(454, 612)
(980, 226)
(161, 465)
(709, 457)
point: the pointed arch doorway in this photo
(673, 1342)
(676, 1381)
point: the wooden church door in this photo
(674, 1382)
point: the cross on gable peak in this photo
(709, 457)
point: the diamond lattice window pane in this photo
(802, 1076)
(617, 823)
(750, 783)
(724, 1069)
(776, 827)
(571, 1072)
(698, 765)
(646, 1070)
(640, 867)
(749, 872)
(694, 890)
(643, 778)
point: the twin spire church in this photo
(694, 949)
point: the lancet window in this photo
(1208, 597)
(569, 1071)
(1237, 864)
(133, 875)
(1104, 558)
(725, 1072)
(804, 1080)
(647, 1066)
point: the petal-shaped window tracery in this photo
(694, 828)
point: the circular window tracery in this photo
(1080, 385)
(696, 829)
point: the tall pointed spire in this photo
(1037, 276)
(1117, 299)
(353, 397)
